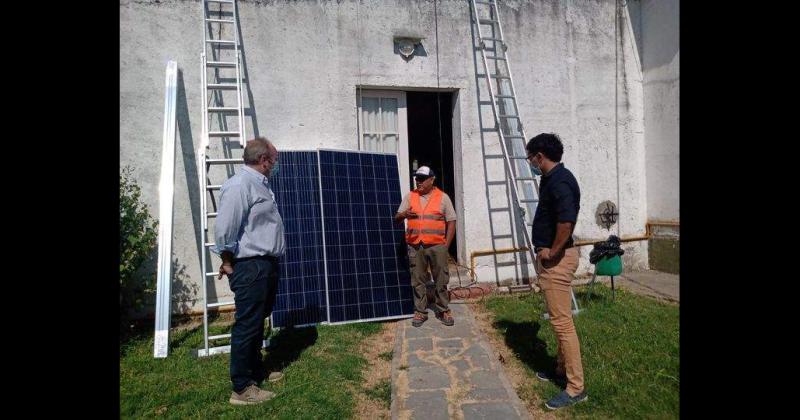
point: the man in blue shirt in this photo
(557, 260)
(249, 238)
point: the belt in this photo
(539, 248)
(422, 245)
(257, 257)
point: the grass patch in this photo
(629, 348)
(322, 368)
(382, 392)
(387, 355)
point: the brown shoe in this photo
(251, 395)
(418, 319)
(446, 318)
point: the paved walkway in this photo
(441, 372)
(651, 283)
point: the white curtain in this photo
(379, 116)
(370, 115)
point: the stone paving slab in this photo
(449, 372)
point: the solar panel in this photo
(366, 263)
(301, 298)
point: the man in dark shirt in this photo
(557, 260)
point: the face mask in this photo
(275, 169)
(535, 169)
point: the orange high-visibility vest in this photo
(429, 225)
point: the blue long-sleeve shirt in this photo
(248, 223)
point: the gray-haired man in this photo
(249, 238)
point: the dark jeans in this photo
(254, 282)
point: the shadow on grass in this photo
(523, 339)
(287, 345)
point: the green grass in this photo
(322, 369)
(629, 349)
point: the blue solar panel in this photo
(301, 295)
(367, 267)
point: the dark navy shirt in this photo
(559, 202)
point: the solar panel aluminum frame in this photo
(324, 245)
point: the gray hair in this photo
(256, 148)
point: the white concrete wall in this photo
(660, 52)
(573, 76)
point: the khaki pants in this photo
(555, 279)
(418, 260)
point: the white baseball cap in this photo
(424, 171)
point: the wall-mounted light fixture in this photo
(407, 45)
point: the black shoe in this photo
(564, 400)
(544, 376)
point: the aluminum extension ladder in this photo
(220, 19)
(524, 185)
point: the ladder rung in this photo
(504, 96)
(222, 109)
(507, 116)
(500, 76)
(487, 102)
(513, 137)
(222, 86)
(494, 157)
(507, 236)
(518, 157)
(221, 41)
(212, 214)
(213, 187)
(500, 209)
(505, 263)
(525, 178)
(495, 182)
(220, 20)
(218, 304)
(223, 134)
(211, 274)
(492, 39)
(487, 21)
(528, 200)
(226, 161)
(207, 244)
(220, 64)
(220, 1)
(494, 57)
(218, 337)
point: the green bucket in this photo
(609, 266)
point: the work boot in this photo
(419, 318)
(446, 318)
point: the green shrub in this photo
(138, 237)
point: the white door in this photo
(383, 127)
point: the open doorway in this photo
(430, 141)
